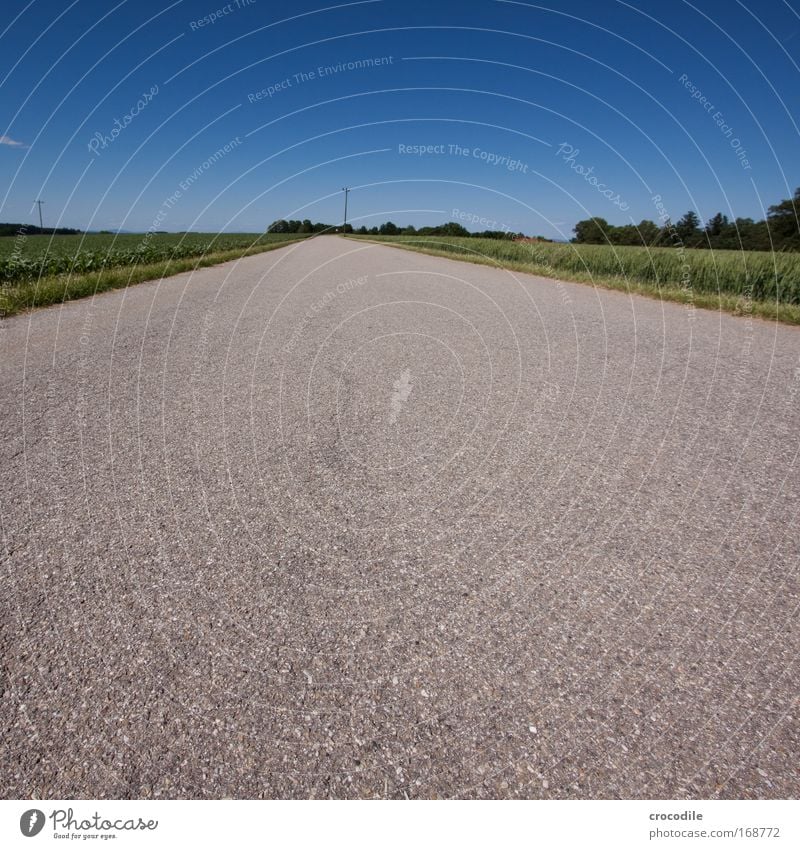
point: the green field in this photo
(26, 258)
(761, 283)
(42, 270)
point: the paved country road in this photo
(344, 520)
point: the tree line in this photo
(389, 228)
(283, 226)
(779, 231)
(450, 228)
(30, 230)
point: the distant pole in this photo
(346, 190)
(39, 204)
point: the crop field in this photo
(38, 271)
(29, 258)
(767, 283)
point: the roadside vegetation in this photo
(41, 270)
(742, 282)
(779, 231)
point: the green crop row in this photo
(30, 258)
(760, 276)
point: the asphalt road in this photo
(344, 520)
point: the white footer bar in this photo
(377, 824)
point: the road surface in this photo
(342, 520)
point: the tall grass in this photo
(705, 277)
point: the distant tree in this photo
(782, 220)
(31, 230)
(648, 232)
(307, 226)
(389, 229)
(409, 231)
(627, 234)
(592, 231)
(716, 225)
(688, 228)
(752, 235)
(452, 228)
(727, 238)
(666, 234)
(279, 226)
(362, 230)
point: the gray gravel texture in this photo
(342, 520)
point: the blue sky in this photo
(228, 123)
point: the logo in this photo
(31, 822)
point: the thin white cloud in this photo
(7, 140)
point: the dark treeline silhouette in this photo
(30, 230)
(389, 228)
(779, 232)
(283, 226)
(451, 228)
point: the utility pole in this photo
(39, 203)
(346, 190)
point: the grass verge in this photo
(56, 290)
(733, 303)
